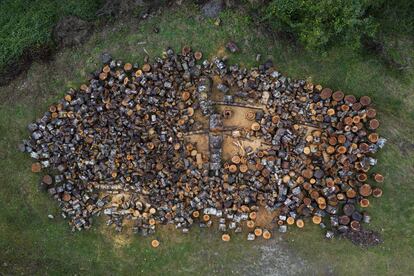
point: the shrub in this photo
(318, 24)
(28, 24)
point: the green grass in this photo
(28, 24)
(31, 243)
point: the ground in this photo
(32, 243)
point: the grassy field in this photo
(30, 243)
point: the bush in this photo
(318, 24)
(396, 16)
(26, 24)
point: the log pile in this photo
(120, 146)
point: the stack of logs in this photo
(117, 146)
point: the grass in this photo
(31, 243)
(27, 24)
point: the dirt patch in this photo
(71, 31)
(276, 258)
(364, 237)
(200, 119)
(11, 71)
(121, 239)
(200, 141)
(233, 146)
(238, 116)
(220, 52)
